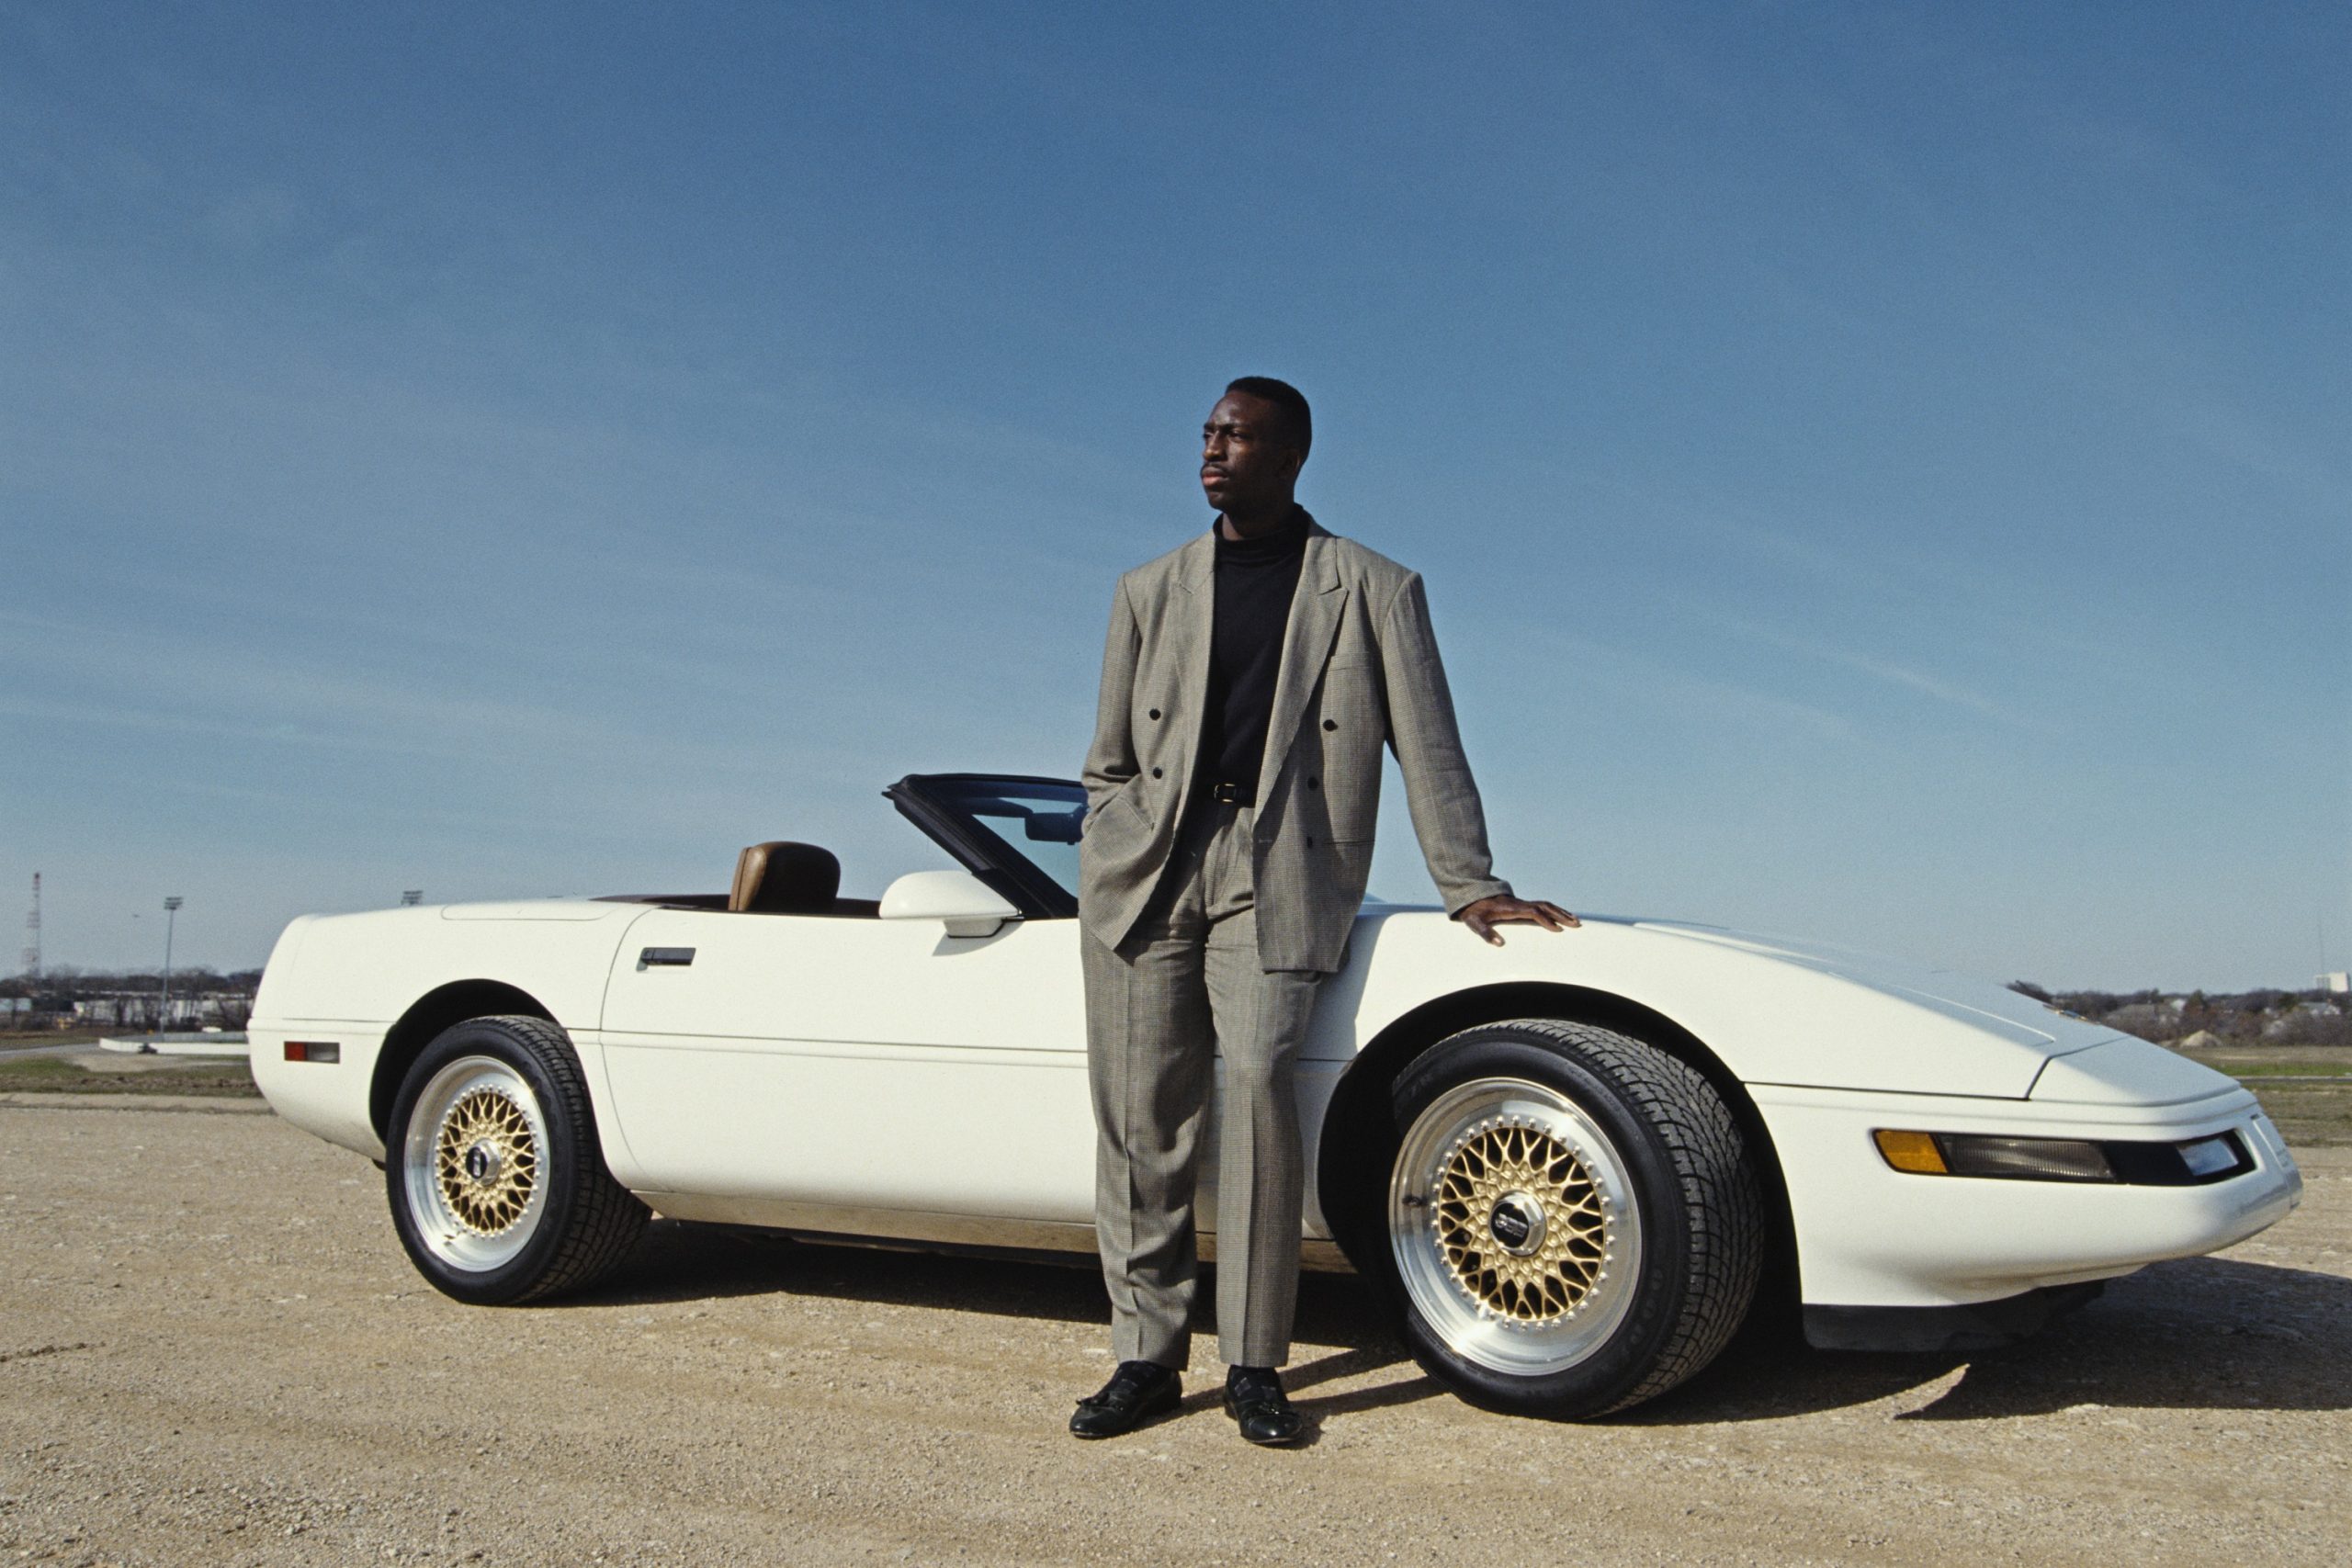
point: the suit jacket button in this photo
(1310, 841)
(1310, 783)
(1155, 773)
(1330, 724)
(1155, 712)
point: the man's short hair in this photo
(1298, 423)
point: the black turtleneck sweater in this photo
(1256, 580)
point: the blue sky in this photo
(1882, 472)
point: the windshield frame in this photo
(924, 800)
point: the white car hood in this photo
(1965, 998)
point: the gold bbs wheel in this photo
(1520, 1222)
(473, 1163)
(487, 1160)
(1514, 1225)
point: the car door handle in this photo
(665, 957)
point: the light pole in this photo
(171, 920)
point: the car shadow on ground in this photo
(681, 1262)
(2209, 1334)
(2202, 1333)
(2206, 1334)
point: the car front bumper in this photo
(1871, 1236)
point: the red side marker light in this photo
(314, 1051)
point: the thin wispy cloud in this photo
(1887, 670)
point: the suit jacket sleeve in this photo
(1447, 816)
(1111, 760)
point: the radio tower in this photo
(32, 934)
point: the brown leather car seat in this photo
(784, 878)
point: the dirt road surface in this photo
(212, 1351)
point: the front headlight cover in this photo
(2027, 1159)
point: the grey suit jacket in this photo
(1359, 670)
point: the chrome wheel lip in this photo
(451, 1240)
(1466, 1326)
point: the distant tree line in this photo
(2265, 1016)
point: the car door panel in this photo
(854, 1062)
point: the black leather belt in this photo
(1231, 794)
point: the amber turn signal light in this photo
(1914, 1152)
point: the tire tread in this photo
(605, 1219)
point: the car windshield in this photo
(1016, 824)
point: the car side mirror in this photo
(970, 907)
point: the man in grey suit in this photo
(1250, 679)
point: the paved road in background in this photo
(12, 1052)
(213, 1351)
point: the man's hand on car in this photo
(1484, 916)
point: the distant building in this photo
(2340, 982)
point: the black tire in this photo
(493, 1168)
(1534, 1159)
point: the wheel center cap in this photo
(1516, 1223)
(482, 1162)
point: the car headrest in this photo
(782, 878)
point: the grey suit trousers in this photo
(1186, 986)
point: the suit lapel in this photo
(1190, 627)
(1307, 643)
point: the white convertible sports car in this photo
(1573, 1162)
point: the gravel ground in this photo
(212, 1351)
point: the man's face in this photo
(1246, 465)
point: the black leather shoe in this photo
(1254, 1398)
(1137, 1391)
